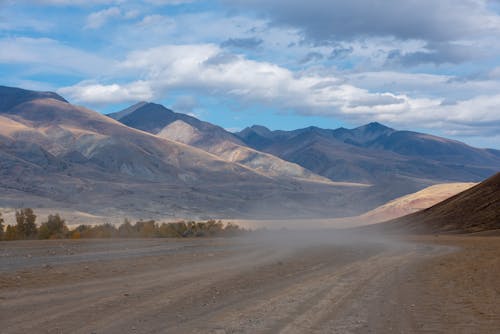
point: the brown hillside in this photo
(474, 210)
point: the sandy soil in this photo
(276, 284)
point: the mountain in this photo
(411, 203)
(152, 118)
(376, 154)
(57, 155)
(474, 210)
(156, 119)
(12, 96)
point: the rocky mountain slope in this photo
(395, 162)
(57, 155)
(163, 122)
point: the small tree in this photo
(126, 230)
(54, 228)
(146, 229)
(1, 227)
(26, 223)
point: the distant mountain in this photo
(474, 210)
(376, 154)
(163, 122)
(153, 118)
(56, 155)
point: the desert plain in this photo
(325, 281)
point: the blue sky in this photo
(432, 66)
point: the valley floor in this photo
(282, 284)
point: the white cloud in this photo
(333, 20)
(97, 94)
(207, 69)
(444, 25)
(98, 19)
(50, 56)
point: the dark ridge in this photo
(10, 97)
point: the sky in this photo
(429, 65)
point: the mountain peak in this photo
(312, 128)
(11, 96)
(146, 116)
(374, 127)
(140, 107)
(259, 128)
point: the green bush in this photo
(54, 228)
(26, 224)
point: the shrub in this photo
(26, 226)
(2, 233)
(126, 230)
(54, 228)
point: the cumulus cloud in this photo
(440, 23)
(98, 94)
(428, 63)
(192, 67)
(433, 20)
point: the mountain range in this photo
(149, 162)
(164, 123)
(54, 154)
(393, 162)
(375, 152)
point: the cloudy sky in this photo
(426, 65)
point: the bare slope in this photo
(56, 155)
(156, 119)
(474, 210)
(411, 203)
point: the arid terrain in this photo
(291, 282)
(249, 166)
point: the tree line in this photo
(54, 227)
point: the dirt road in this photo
(265, 285)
